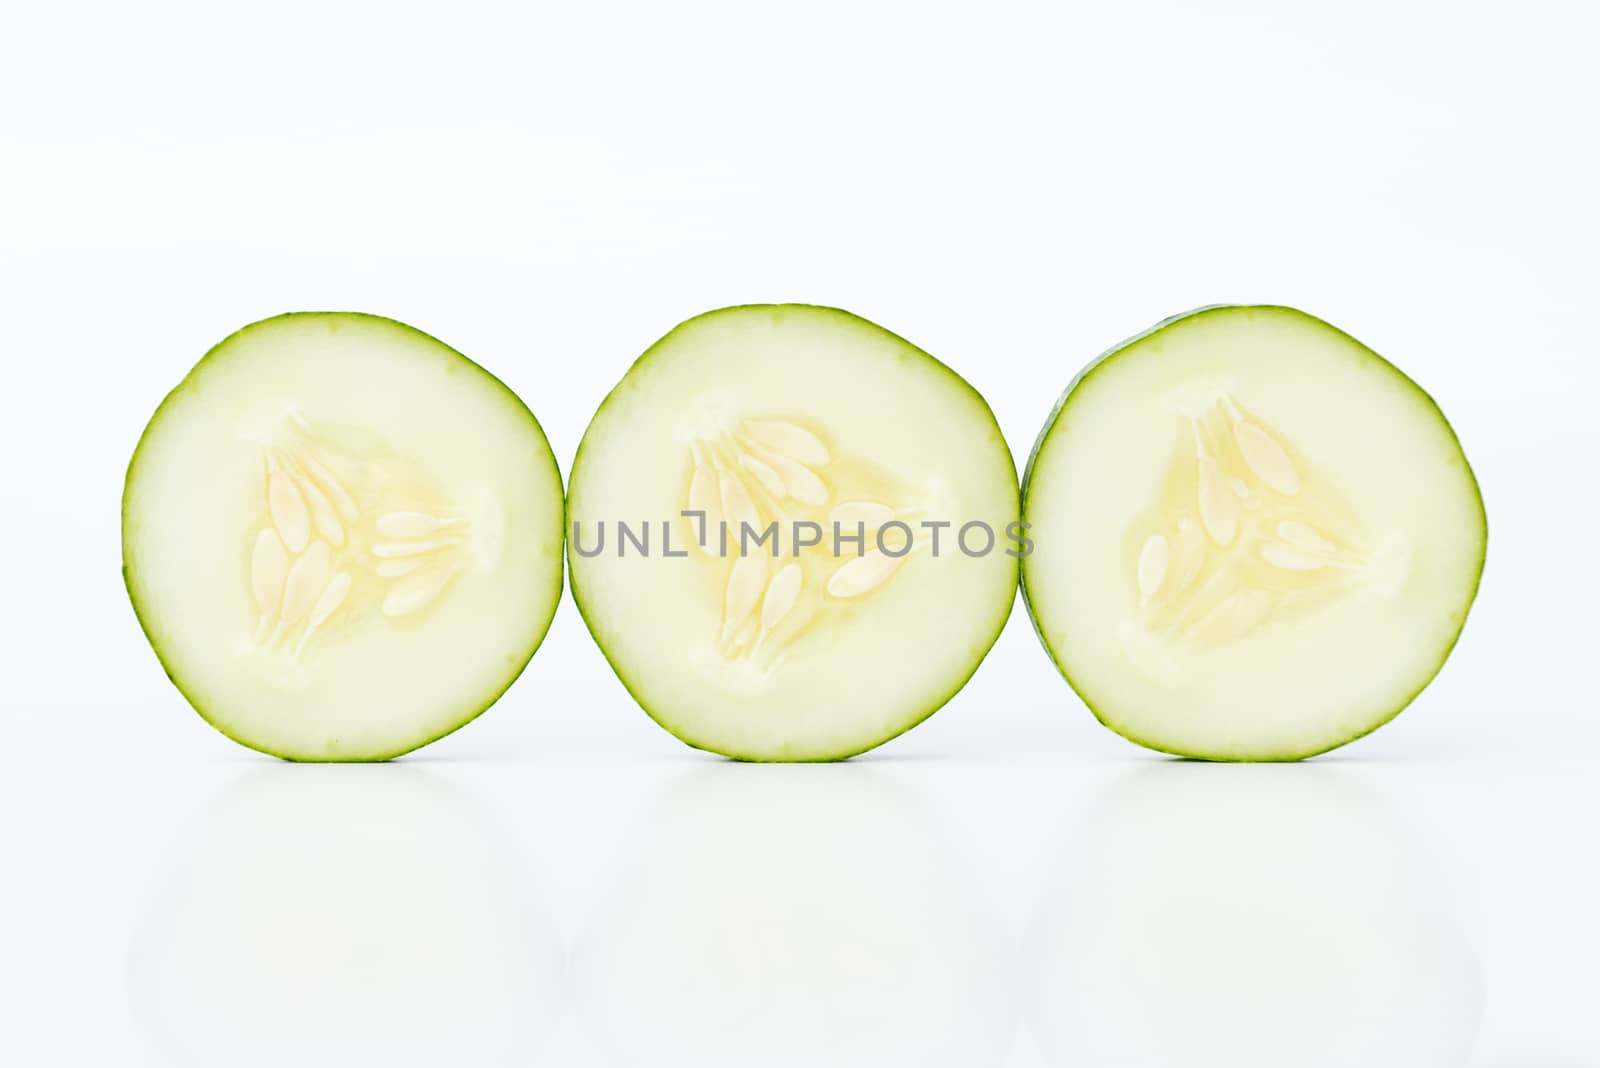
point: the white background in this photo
(1012, 187)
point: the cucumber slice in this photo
(342, 537)
(1257, 539)
(789, 415)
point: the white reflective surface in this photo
(819, 915)
(341, 916)
(664, 910)
(1251, 917)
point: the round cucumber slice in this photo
(1256, 538)
(792, 422)
(342, 537)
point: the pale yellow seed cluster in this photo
(760, 471)
(315, 549)
(293, 574)
(1243, 533)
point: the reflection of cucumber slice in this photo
(790, 415)
(342, 537)
(1249, 917)
(303, 912)
(1257, 540)
(798, 917)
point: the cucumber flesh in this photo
(1256, 539)
(776, 416)
(342, 537)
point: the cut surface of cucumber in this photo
(788, 415)
(1256, 539)
(342, 537)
